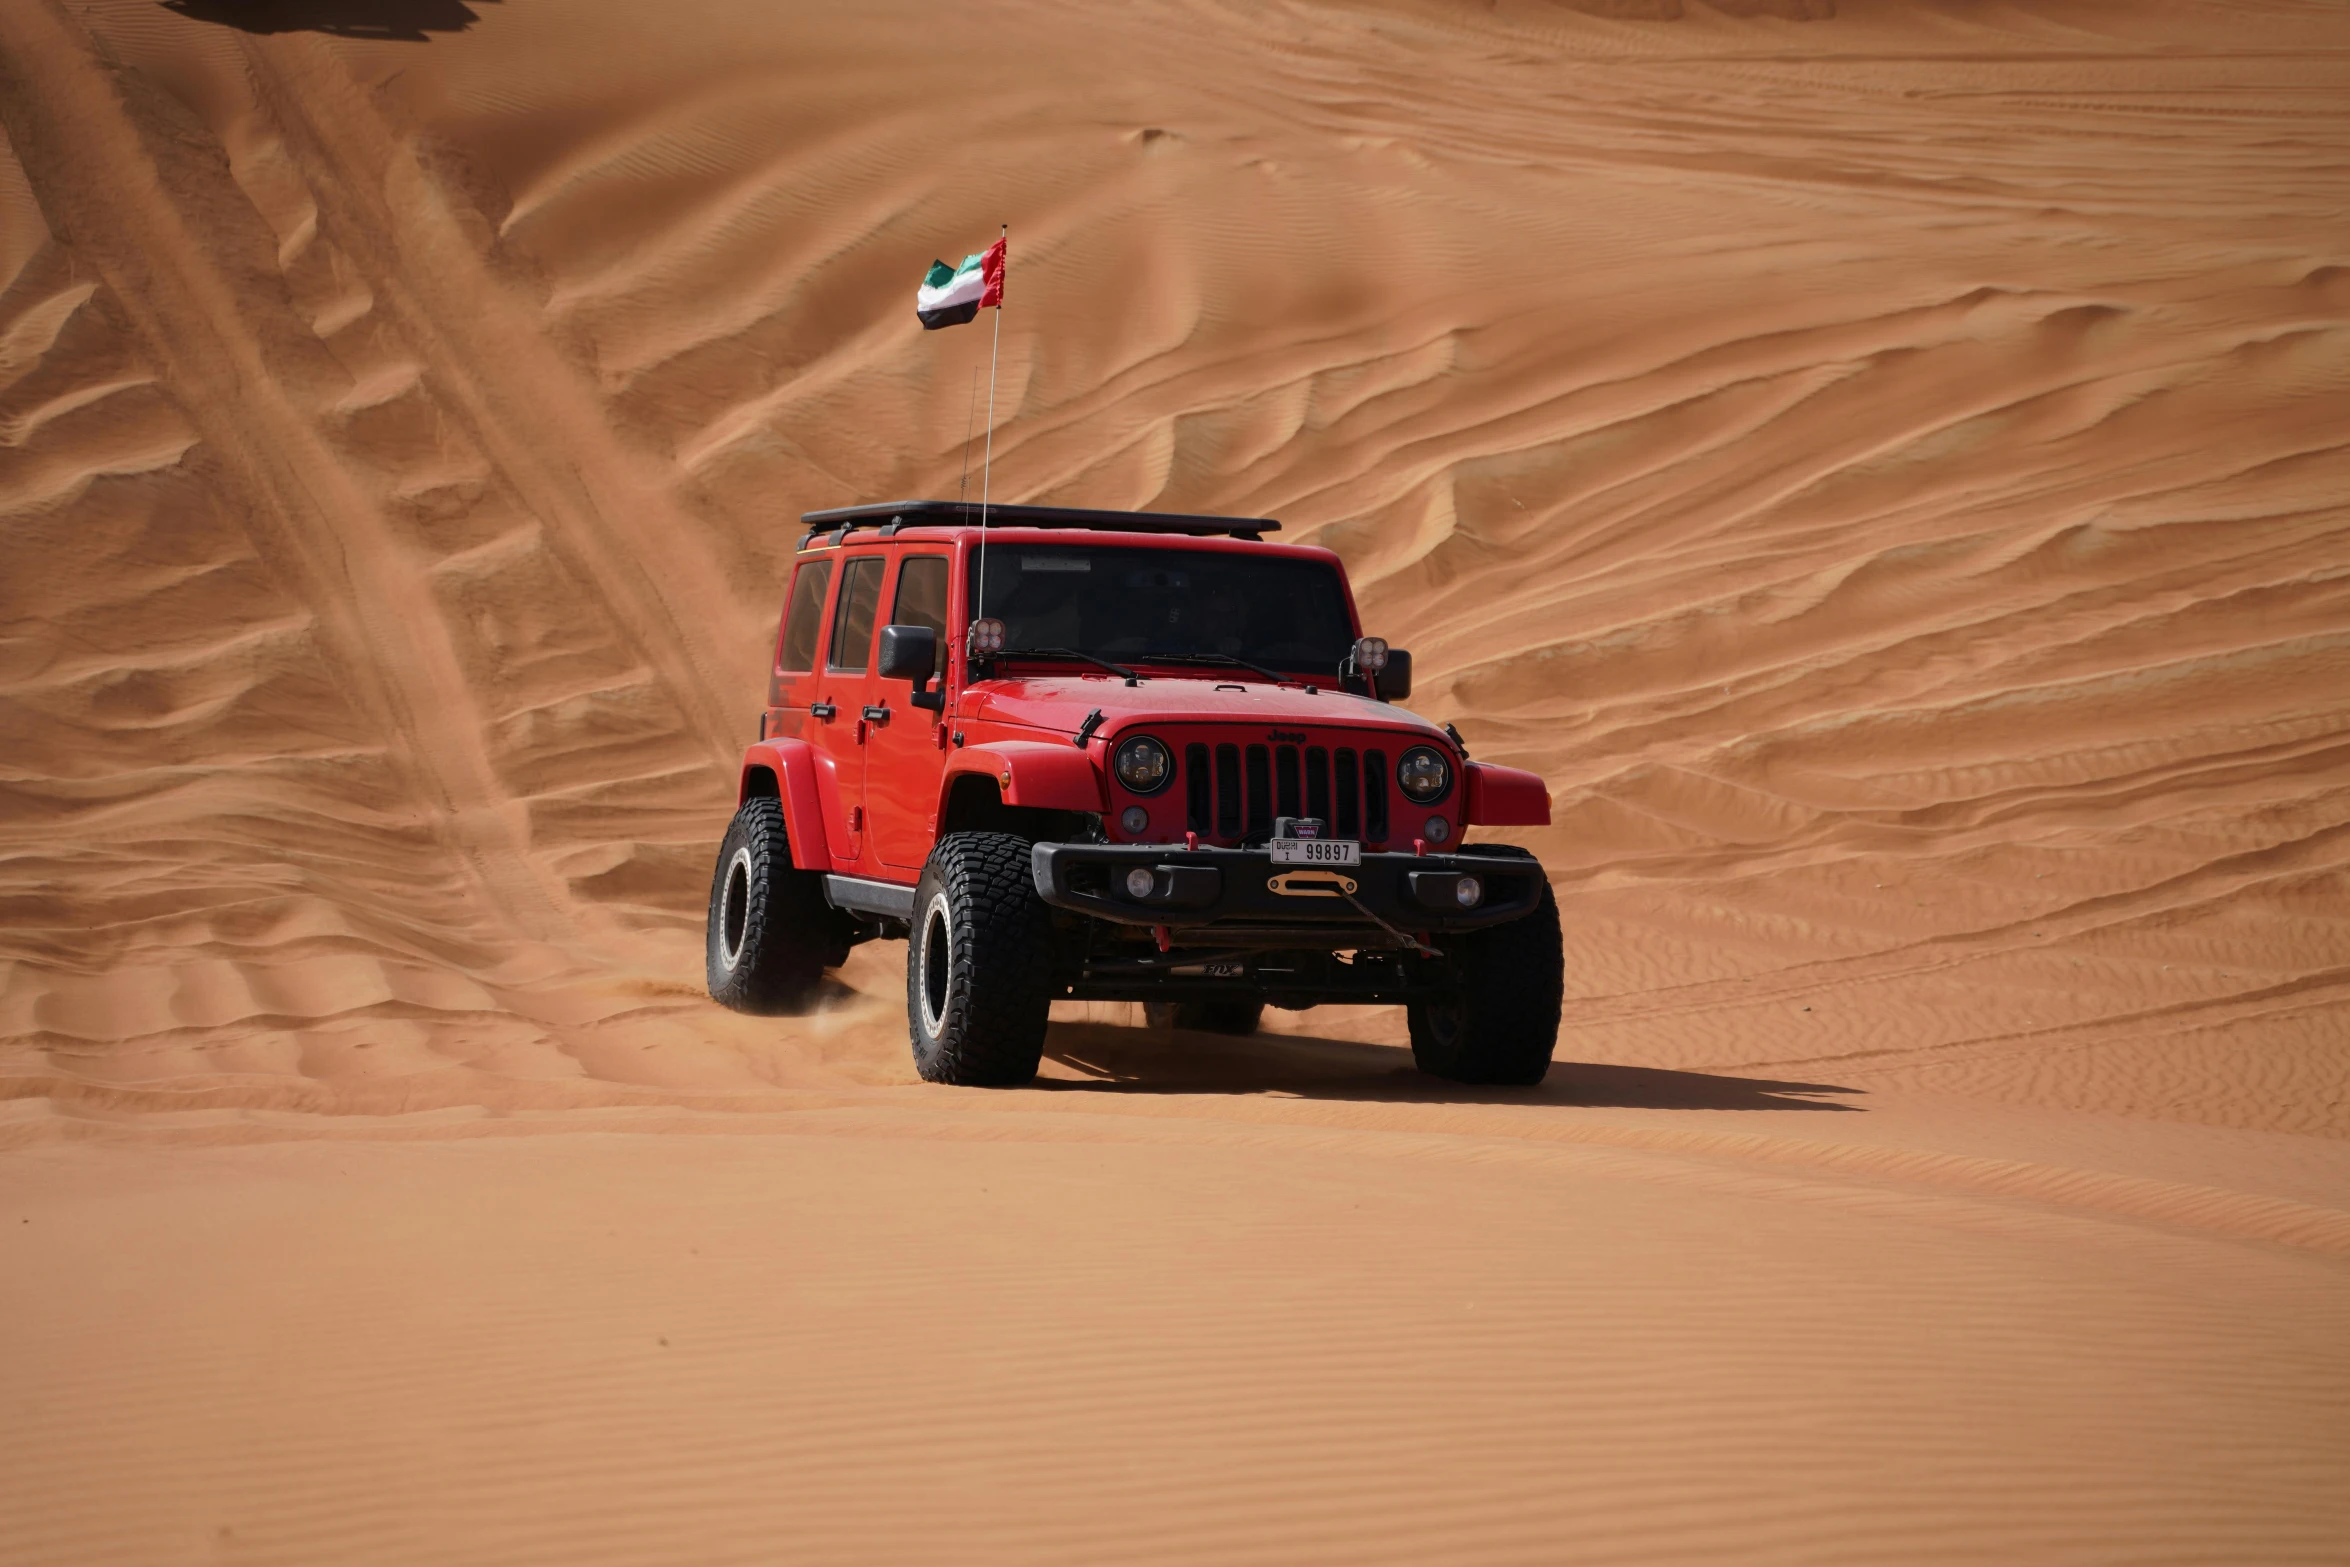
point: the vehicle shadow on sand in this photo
(1112, 1059)
(403, 21)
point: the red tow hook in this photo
(1420, 846)
(1191, 840)
(1166, 941)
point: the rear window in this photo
(805, 616)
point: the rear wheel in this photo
(770, 930)
(1499, 1021)
(979, 963)
(1205, 1017)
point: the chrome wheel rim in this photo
(936, 957)
(734, 908)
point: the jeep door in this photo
(904, 758)
(844, 687)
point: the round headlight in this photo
(1423, 774)
(1143, 765)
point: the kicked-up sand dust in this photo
(1883, 463)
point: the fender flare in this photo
(1032, 773)
(1505, 797)
(792, 764)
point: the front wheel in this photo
(979, 965)
(1499, 1021)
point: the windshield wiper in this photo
(1068, 652)
(1217, 658)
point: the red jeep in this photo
(1119, 756)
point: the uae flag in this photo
(950, 296)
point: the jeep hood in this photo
(1059, 703)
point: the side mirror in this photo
(911, 653)
(1395, 681)
(908, 653)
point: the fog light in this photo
(1468, 892)
(1436, 829)
(1135, 820)
(1139, 882)
(986, 636)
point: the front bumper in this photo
(1226, 896)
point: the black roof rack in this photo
(889, 516)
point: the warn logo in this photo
(1286, 736)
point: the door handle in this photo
(823, 710)
(877, 715)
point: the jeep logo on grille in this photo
(1286, 736)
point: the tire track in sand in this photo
(227, 357)
(491, 367)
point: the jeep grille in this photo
(1235, 791)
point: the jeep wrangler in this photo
(1119, 756)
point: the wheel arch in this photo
(1038, 791)
(1031, 773)
(974, 802)
(1504, 797)
(785, 771)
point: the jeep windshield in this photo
(1222, 608)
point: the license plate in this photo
(1316, 851)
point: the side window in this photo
(804, 617)
(852, 622)
(922, 599)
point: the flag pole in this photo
(987, 463)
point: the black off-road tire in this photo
(979, 963)
(1501, 1022)
(1238, 1018)
(770, 930)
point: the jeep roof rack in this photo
(889, 516)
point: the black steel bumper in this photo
(1218, 896)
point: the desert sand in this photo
(1885, 465)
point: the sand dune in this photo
(1882, 463)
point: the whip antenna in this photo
(987, 463)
